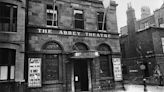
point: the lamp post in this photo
(106, 4)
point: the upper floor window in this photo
(52, 16)
(79, 19)
(100, 19)
(146, 25)
(160, 22)
(8, 17)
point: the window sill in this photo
(52, 26)
(7, 81)
(102, 30)
(106, 78)
(52, 82)
(3, 32)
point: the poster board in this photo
(34, 72)
(117, 69)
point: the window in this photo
(162, 44)
(7, 64)
(104, 66)
(8, 17)
(51, 62)
(160, 22)
(100, 16)
(79, 19)
(52, 16)
(51, 67)
(105, 60)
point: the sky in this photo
(136, 4)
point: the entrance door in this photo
(81, 75)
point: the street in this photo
(139, 88)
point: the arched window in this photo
(80, 46)
(104, 47)
(52, 46)
(105, 60)
(51, 62)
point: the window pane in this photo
(5, 11)
(49, 16)
(49, 23)
(50, 7)
(51, 68)
(104, 66)
(55, 23)
(78, 16)
(100, 16)
(79, 24)
(3, 72)
(15, 12)
(12, 72)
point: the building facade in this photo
(142, 45)
(12, 31)
(68, 50)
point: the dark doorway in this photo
(146, 70)
(81, 75)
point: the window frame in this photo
(98, 22)
(9, 63)
(12, 18)
(77, 19)
(52, 11)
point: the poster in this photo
(117, 69)
(34, 72)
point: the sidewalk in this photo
(139, 81)
(138, 88)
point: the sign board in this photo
(73, 33)
(34, 72)
(117, 69)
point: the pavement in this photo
(138, 88)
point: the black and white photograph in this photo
(81, 45)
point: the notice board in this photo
(34, 72)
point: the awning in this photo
(85, 54)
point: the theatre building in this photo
(67, 49)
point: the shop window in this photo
(8, 17)
(100, 16)
(7, 64)
(79, 19)
(105, 61)
(52, 16)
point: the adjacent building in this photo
(141, 43)
(12, 42)
(68, 49)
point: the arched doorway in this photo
(81, 78)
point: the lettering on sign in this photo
(34, 72)
(117, 69)
(72, 33)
